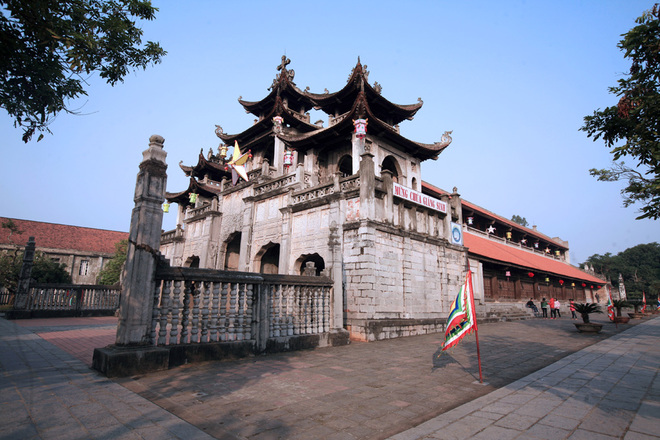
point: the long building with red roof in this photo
(83, 250)
(515, 263)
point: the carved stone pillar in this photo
(143, 243)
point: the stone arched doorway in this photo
(192, 261)
(319, 263)
(345, 166)
(269, 258)
(233, 251)
(390, 164)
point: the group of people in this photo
(554, 305)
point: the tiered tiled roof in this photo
(358, 99)
(64, 237)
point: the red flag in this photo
(610, 306)
(643, 301)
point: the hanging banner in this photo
(418, 198)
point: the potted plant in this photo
(586, 309)
(618, 305)
(636, 314)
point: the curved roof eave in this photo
(357, 83)
(193, 186)
(265, 125)
(422, 151)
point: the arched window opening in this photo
(345, 166)
(414, 183)
(192, 261)
(390, 164)
(322, 162)
(269, 154)
(233, 252)
(319, 263)
(270, 260)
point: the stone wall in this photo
(402, 279)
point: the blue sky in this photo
(512, 79)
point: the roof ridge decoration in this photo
(284, 75)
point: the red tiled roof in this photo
(501, 252)
(54, 236)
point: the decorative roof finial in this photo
(285, 62)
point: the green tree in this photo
(639, 266)
(522, 221)
(44, 270)
(635, 120)
(110, 274)
(10, 269)
(46, 45)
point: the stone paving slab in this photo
(378, 389)
(536, 387)
(46, 393)
(566, 408)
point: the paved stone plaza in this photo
(543, 380)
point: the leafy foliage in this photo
(619, 304)
(46, 45)
(10, 269)
(111, 273)
(586, 309)
(635, 119)
(639, 266)
(522, 221)
(44, 270)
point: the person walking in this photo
(553, 312)
(572, 308)
(557, 308)
(544, 308)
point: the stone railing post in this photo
(23, 288)
(143, 243)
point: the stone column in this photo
(143, 243)
(278, 156)
(367, 186)
(23, 288)
(446, 230)
(389, 197)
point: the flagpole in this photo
(476, 336)
(476, 327)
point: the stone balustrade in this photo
(72, 297)
(192, 305)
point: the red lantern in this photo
(592, 286)
(360, 128)
(599, 287)
(288, 158)
(561, 282)
(584, 285)
(531, 274)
